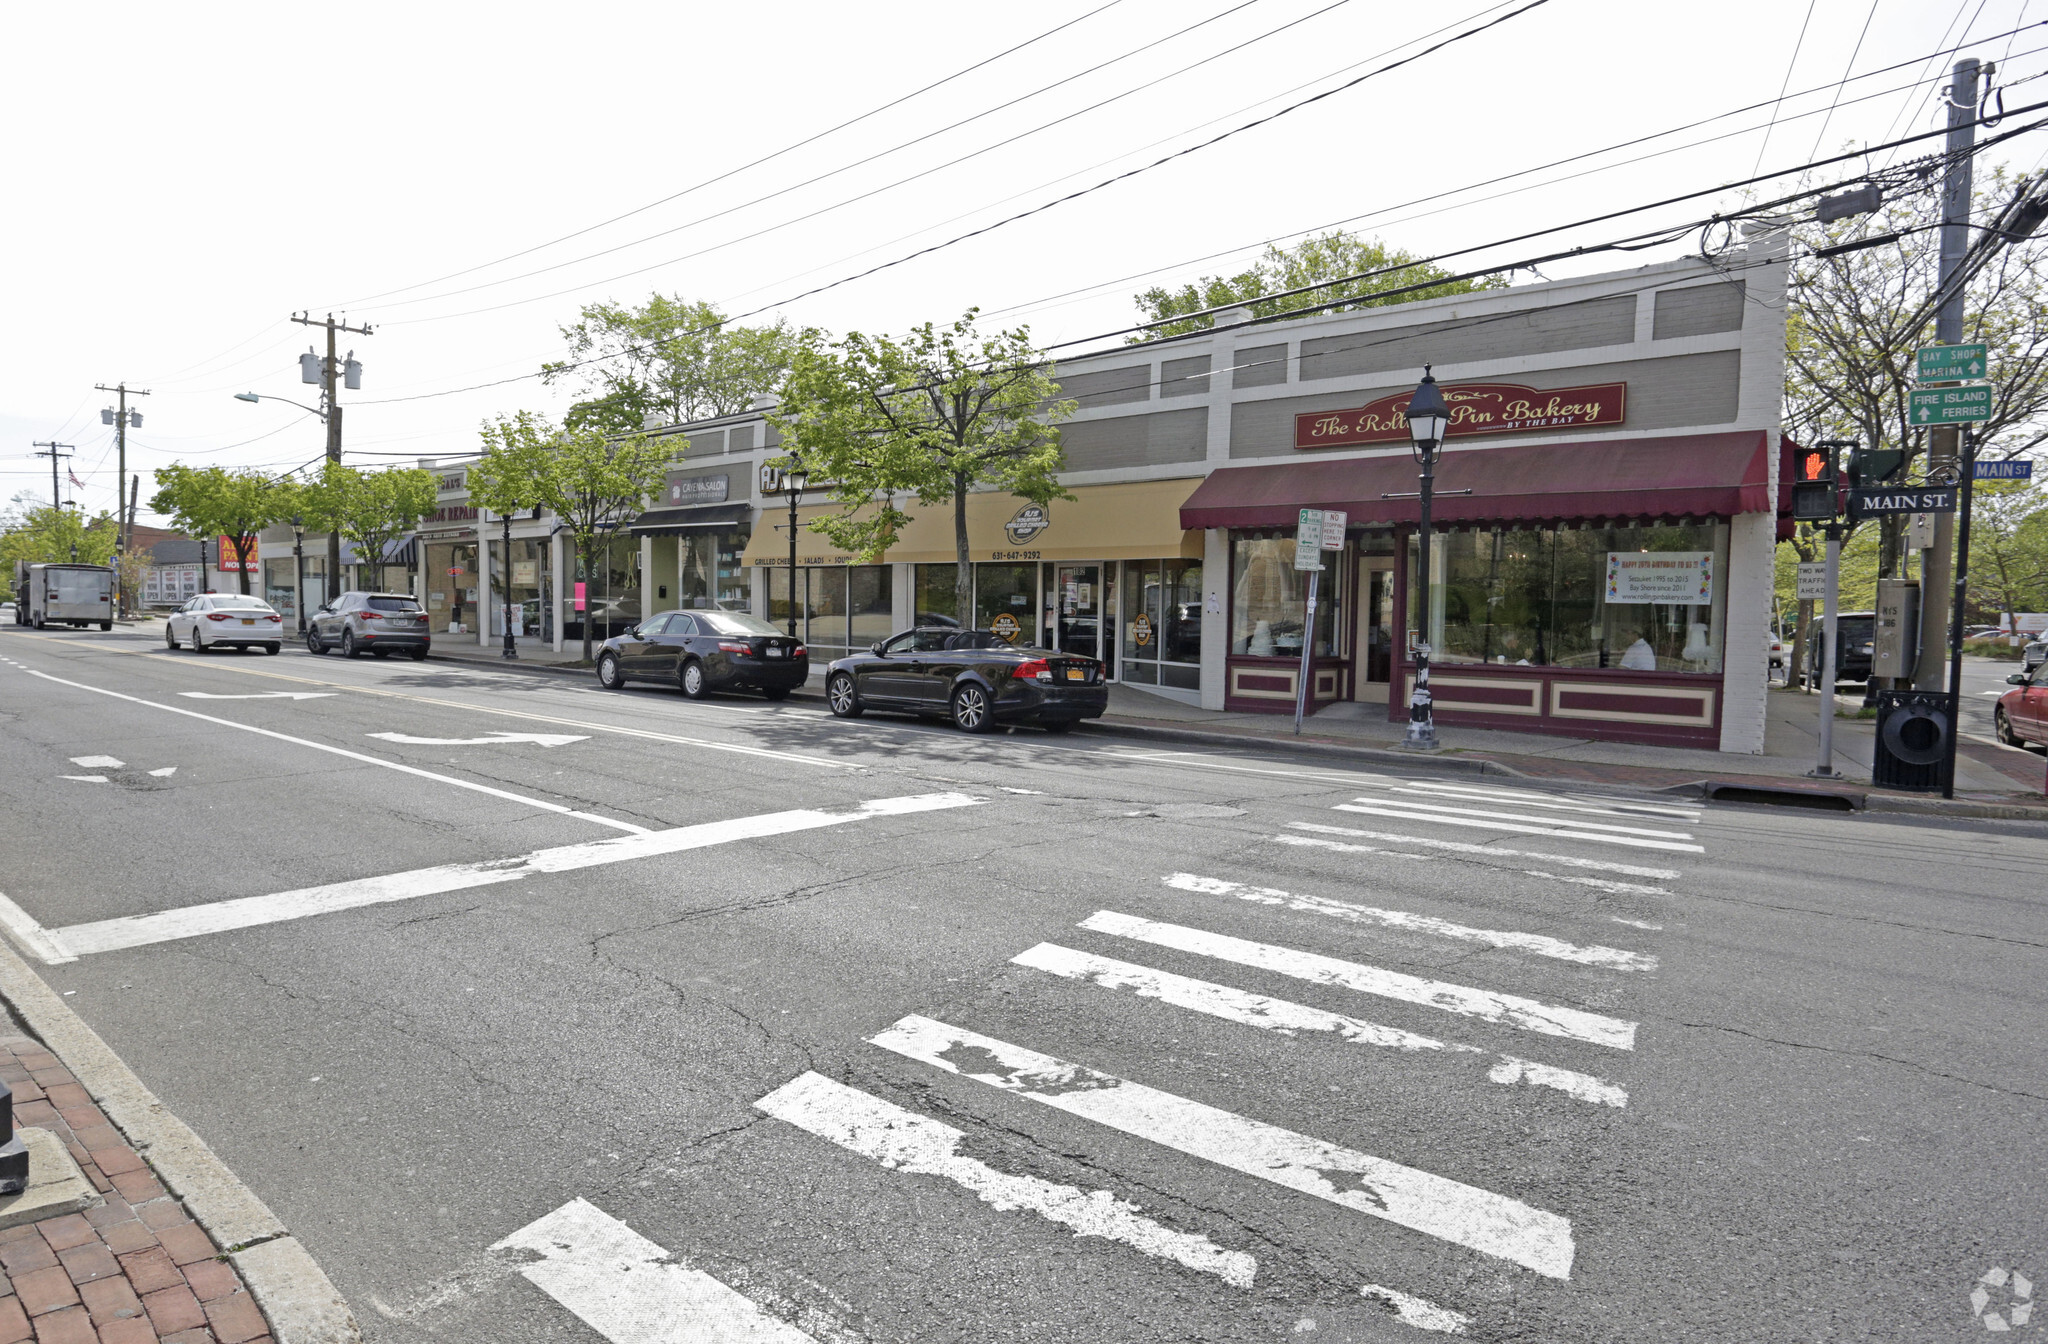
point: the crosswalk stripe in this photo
(1572, 822)
(903, 1140)
(1421, 1314)
(1475, 824)
(1524, 799)
(1485, 1004)
(628, 1289)
(1466, 847)
(1270, 1014)
(1538, 944)
(1597, 883)
(1490, 1223)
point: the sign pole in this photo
(1825, 769)
(1955, 625)
(1308, 644)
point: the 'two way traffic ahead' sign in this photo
(1871, 500)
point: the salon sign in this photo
(1660, 576)
(1476, 408)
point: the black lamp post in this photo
(299, 570)
(793, 477)
(505, 587)
(1428, 419)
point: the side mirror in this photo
(876, 648)
(2016, 679)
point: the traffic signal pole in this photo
(1825, 768)
(1955, 625)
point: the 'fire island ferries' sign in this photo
(1476, 408)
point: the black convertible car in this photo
(974, 677)
(704, 651)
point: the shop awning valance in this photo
(690, 518)
(1685, 475)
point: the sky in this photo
(184, 179)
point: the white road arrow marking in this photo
(96, 762)
(86, 779)
(166, 772)
(262, 695)
(544, 739)
(630, 1290)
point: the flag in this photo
(74, 478)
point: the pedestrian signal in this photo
(1813, 485)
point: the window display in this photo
(1269, 601)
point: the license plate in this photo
(248, 620)
(776, 651)
(1076, 674)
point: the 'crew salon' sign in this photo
(1476, 408)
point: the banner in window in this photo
(1660, 576)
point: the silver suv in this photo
(379, 624)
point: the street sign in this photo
(2016, 469)
(1871, 501)
(1948, 405)
(1949, 363)
(1316, 531)
(1813, 581)
(1333, 529)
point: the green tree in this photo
(590, 480)
(1313, 260)
(371, 509)
(2008, 548)
(669, 359)
(933, 415)
(46, 534)
(206, 502)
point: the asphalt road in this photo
(909, 1036)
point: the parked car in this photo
(2033, 654)
(974, 677)
(2021, 718)
(704, 651)
(1777, 652)
(1855, 636)
(6, 611)
(225, 620)
(379, 624)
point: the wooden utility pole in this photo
(331, 413)
(50, 451)
(123, 391)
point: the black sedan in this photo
(703, 651)
(974, 677)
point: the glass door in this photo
(1085, 620)
(1375, 636)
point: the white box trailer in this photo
(79, 595)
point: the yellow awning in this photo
(1132, 520)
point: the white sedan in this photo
(225, 620)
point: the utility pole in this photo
(121, 417)
(1944, 462)
(351, 377)
(50, 451)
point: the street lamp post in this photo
(299, 570)
(505, 588)
(793, 477)
(1428, 419)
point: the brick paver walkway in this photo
(134, 1270)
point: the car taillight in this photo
(218, 616)
(727, 647)
(1037, 669)
(273, 616)
(798, 652)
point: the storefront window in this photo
(1269, 600)
(868, 605)
(1006, 601)
(1162, 622)
(1621, 598)
(281, 588)
(451, 581)
(517, 585)
(936, 603)
(843, 607)
(611, 592)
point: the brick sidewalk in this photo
(133, 1270)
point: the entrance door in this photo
(1375, 635)
(1084, 624)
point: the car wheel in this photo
(775, 692)
(608, 675)
(198, 644)
(273, 649)
(348, 644)
(971, 712)
(170, 639)
(2001, 726)
(106, 625)
(692, 678)
(841, 695)
(313, 644)
(1058, 726)
(419, 655)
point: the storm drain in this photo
(1809, 798)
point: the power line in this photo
(765, 158)
(1857, 51)
(862, 196)
(1789, 67)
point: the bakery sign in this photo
(1476, 408)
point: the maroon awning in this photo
(1686, 475)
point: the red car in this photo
(2021, 719)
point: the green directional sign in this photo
(1948, 405)
(1949, 363)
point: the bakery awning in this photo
(1684, 475)
(690, 518)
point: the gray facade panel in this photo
(1697, 310)
(1108, 387)
(1184, 377)
(1136, 440)
(1678, 392)
(1259, 366)
(742, 439)
(1535, 331)
(706, 443)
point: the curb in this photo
(300, 1303)
(1462, 765)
